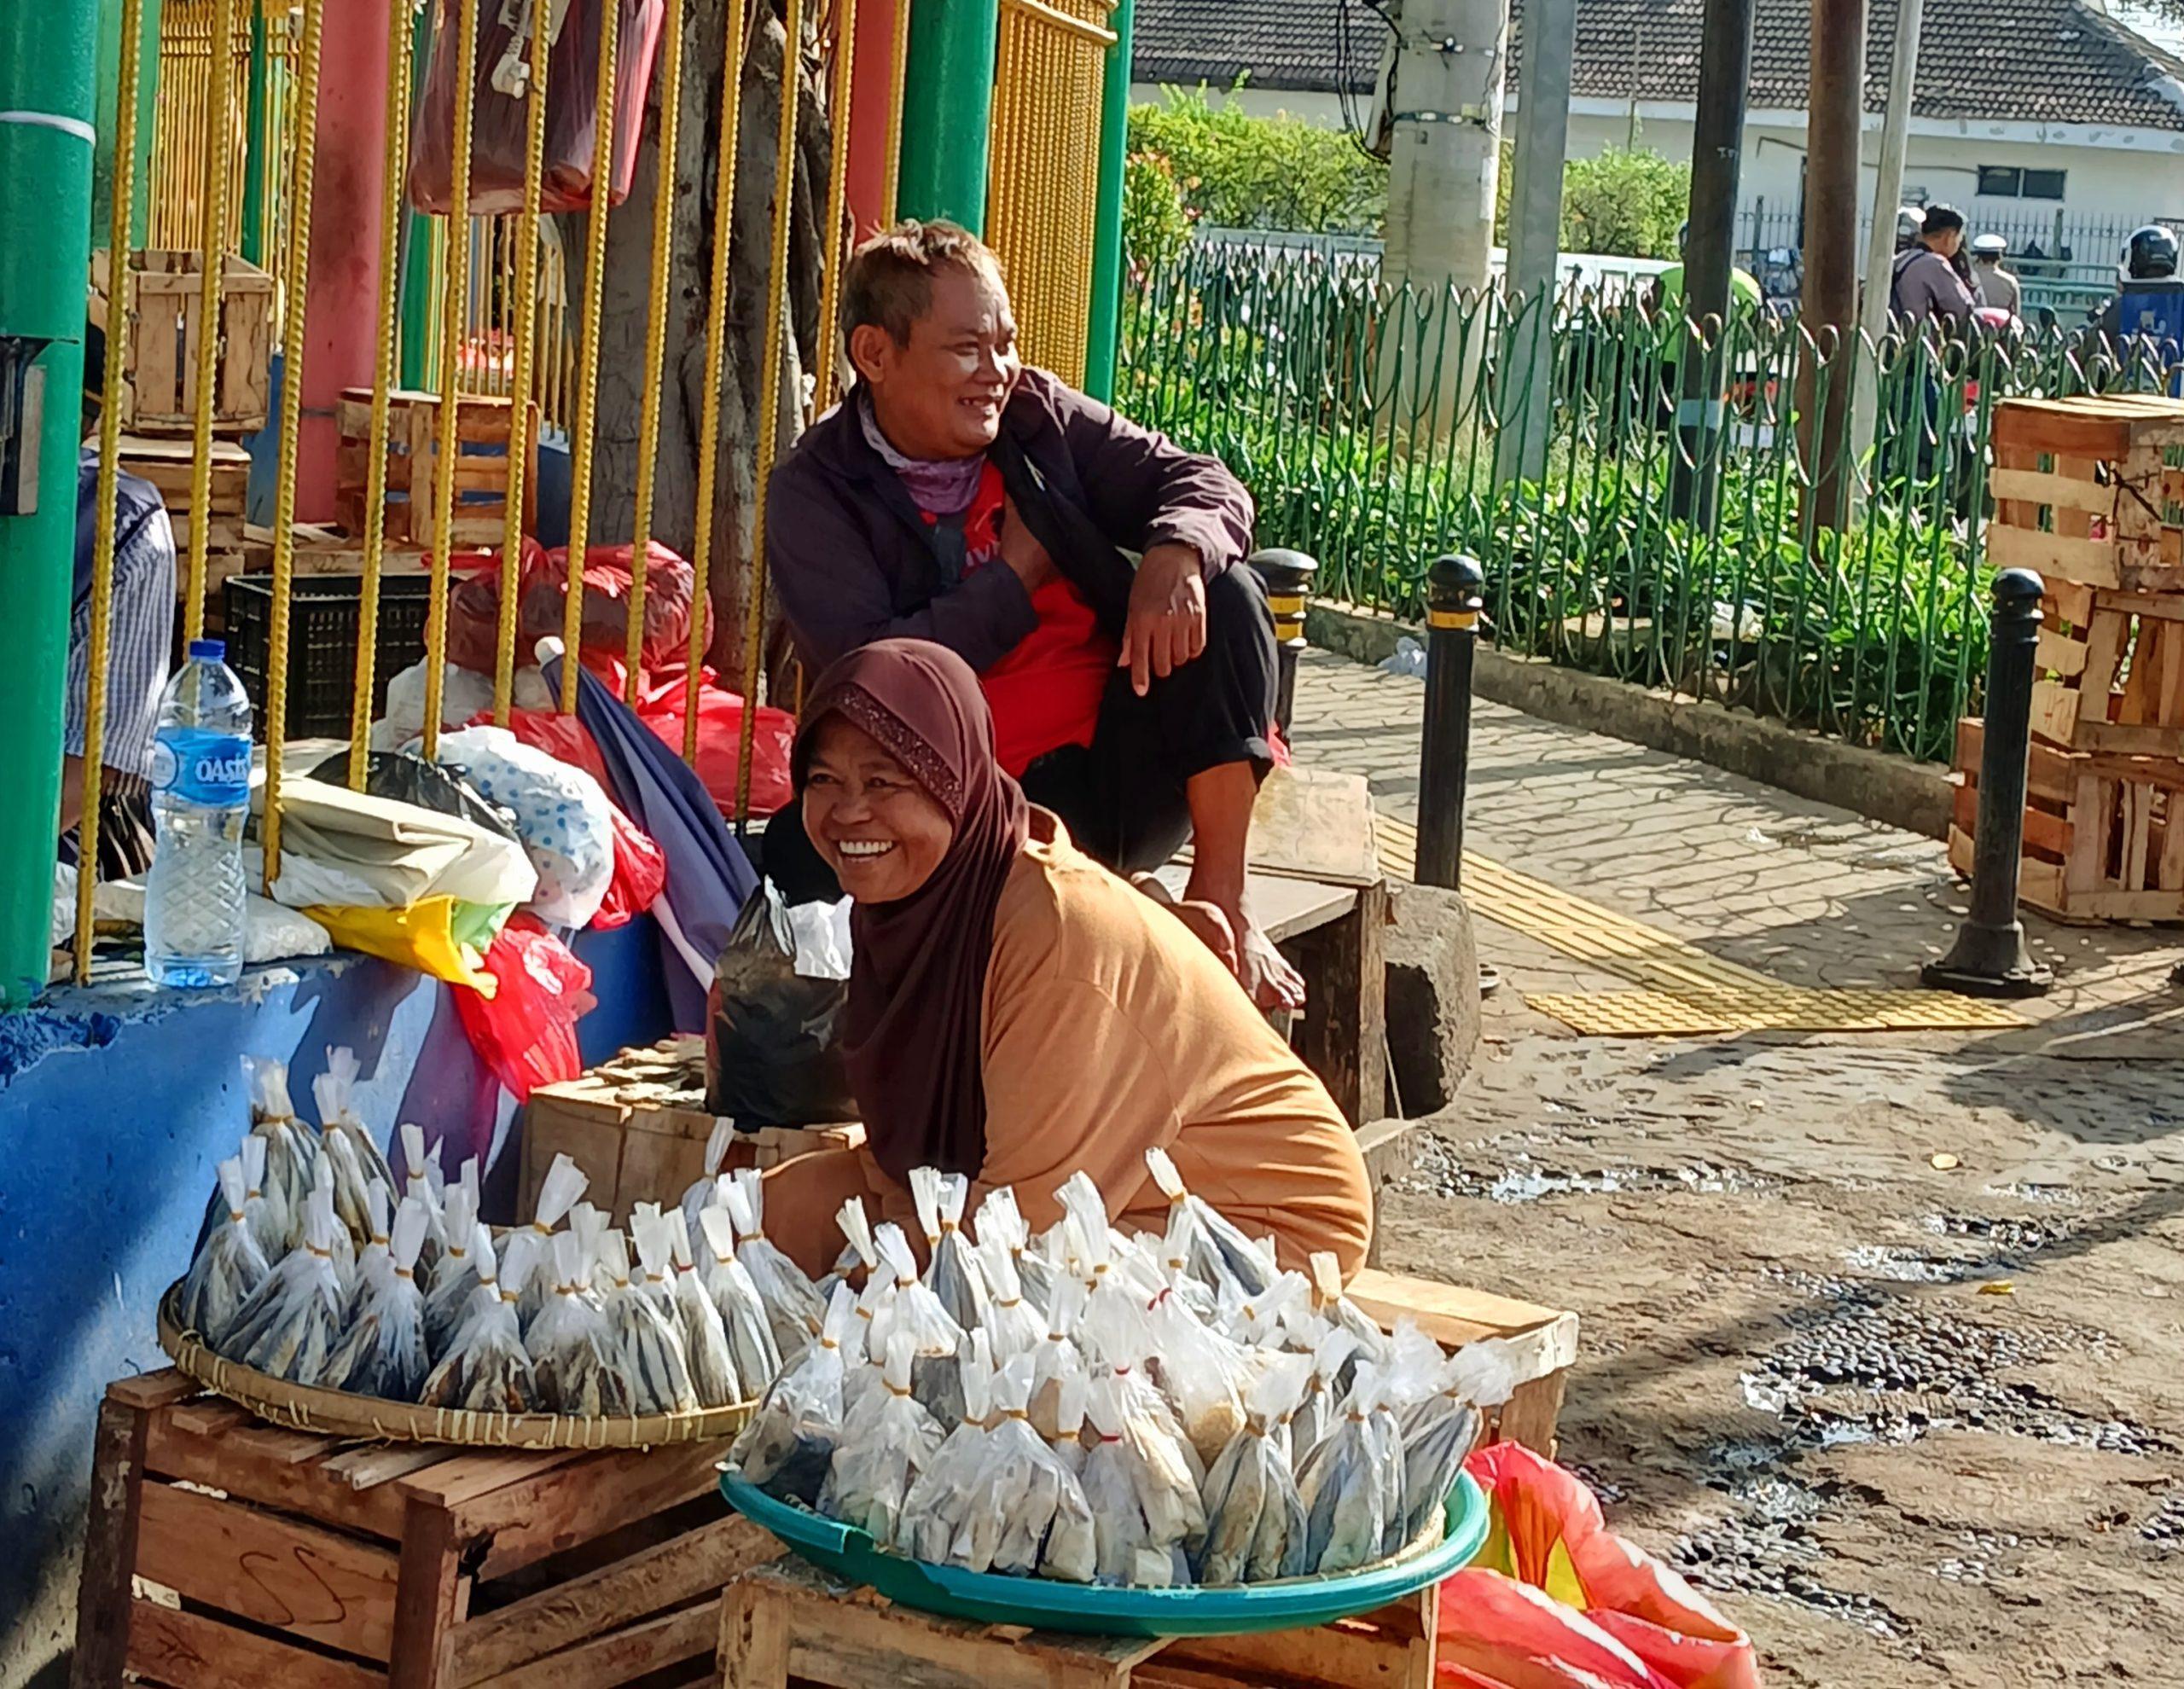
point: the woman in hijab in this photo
(1016, 1012)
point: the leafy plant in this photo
(1238, 171)
(1156, 223)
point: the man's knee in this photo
(1236, 609)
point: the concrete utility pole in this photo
(1888, 196)
(1710, 252)
(1535, 229)
(1835, 111)
(1445, 158)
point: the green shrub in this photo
(1235, 171)
(1156, 223)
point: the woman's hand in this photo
(1166, 626)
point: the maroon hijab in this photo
(911, 1035)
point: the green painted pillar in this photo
(948, 110)
(148, 94)
(1108, 255)
(49, 59)
(416, 295)
(261, 149)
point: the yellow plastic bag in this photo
(440, 936)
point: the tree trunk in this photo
(627, 303)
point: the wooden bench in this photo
(277, 1557)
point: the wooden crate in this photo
(2088, 491)
(637, 1125)
(264, 1556)
(2103, 833)
(481, 474)
(352, 460)
(1542, 1344)
(2113, 667)
(788, 1621)
(161, 298)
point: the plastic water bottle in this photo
(201, 793)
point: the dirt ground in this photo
(1882, 1346)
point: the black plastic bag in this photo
(403, 779)
(773, 1049)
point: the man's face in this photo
(1946, 241)
(941, 395)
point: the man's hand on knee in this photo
(1166, 626)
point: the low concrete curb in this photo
(1916, 797)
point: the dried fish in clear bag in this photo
(345, 1178)
(269, 1229)
(1352, 1483)
(1001, 1220)
(456, 1276)
(571, 1354)
(704, 1191)
(417, 1183)
(1261, 1321)
(704, 1337)
(646, 1345)
(1115, 1335)
(335, 1090)
(375, 1265)
(1058, 1360)
(951, 1269)
(867, 1336)
(888, 1439)
(291, 1147)
(790, 1442)
(1223, 1254)
(382, 1352)
(743, 1312)
(1124, 1551)
(487, 1369)
(1330, 1304)
(1201, 1372)
(1256, 1524)
(564, 1181)
(935, 1511)
(230, 1265)
(1016, 1326)
(794, 1311)
(290, 1324)
(1316, 1412)
(936, 1340)
(1440, 1429)
(1046, 1524)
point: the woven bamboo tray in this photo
(333, 1413)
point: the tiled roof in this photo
(2022, 60)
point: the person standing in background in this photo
(1998, 287)
(1925, 282)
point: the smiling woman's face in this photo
(876, 828)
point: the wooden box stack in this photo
(637, 1125)
(2090, 493)
(161, 298)
(221, 1551)
(483, 427)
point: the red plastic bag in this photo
(474, 609)
(640, 876)
(526, 1033)
(1556, 1600)
(720, 741)
(499, 122)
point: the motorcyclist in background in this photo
(2149, 302)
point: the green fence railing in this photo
(1366, 420)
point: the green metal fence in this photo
(1369, 421)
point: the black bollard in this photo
(1288, 577)
(1989, 958)
(1452, 607)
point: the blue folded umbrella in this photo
(708, 876)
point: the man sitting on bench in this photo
(1091, 572)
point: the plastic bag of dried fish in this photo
(1057, 1362)
(1000, 1219)
(935, 1510)
(1201, 1372)
(564, 1181)
(572, 1355)
(888, 1439)
(486, 1368)
(1262, 1322)
(456, 1276)
(936, 1340)
(789, 1444)
(1317, 1411)
(1224, 1254)
(743, 1312)
(1129, 1548)
(1330, 1307)
(1256, 1525)
(951, 1268)
(268, 1227)
(1351, 1483)
(1441, 1427)
(1016, 1326)
(382, 1352)
(1114, 1336)
(335, 1090)
(1046, 1524)
(290, 1325)
(291, 1146)
(375, 1265)
(794, 1311)
(697, 1320)
(703, 1193)
(418, 1182)
(230, 1265)
(646, 1345)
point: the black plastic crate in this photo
(322, 616)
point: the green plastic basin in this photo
(991, 1598)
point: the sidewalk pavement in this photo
(1805, 892)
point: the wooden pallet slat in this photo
(2082, 490)
(160, 297)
